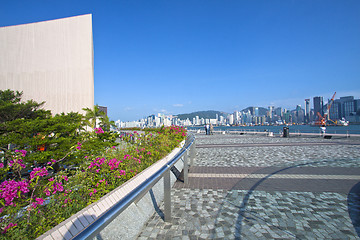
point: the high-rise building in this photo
(347, 106)
(318, 106)
(256, 111)
(231, 119)
(51, 61)
(299, 114)
(278, 112)
(307, 110)
(335, 110)
(271, 109)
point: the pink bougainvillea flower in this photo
(79, 145)
(9, 190)
(41, 172)
(51, 162)
(113, 163)
(47, 192)
(51, 179)
(9, 226)
(98, 130)
(92, 192)
(16, 163)
(65, 178)
(1, 165)
(58, 187)
(38, 201)
(23, 152)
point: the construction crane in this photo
(322, 119)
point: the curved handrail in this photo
(103, 220)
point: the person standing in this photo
(323, 130)
(211, 129)
(207, 126)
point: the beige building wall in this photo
(50, 61)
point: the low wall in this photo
(130, 222)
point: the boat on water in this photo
(342, 122)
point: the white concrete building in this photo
(51, 61)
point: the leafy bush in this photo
(34, 204)
(59, 167)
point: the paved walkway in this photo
(258, 187)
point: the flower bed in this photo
(33, 204)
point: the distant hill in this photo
(262, 111)
(211, 114)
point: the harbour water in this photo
(351, 129)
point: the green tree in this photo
(48, 137)
(12, 108)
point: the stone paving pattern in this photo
(248, 208)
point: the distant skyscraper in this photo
(307, 110)
(299, 114)
(347, 106)
(252, 110)
(278, 112)
(256, 111)
(231, 119)
(334, 112)
(318, 106)
(271, 109)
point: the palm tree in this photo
(97, 118)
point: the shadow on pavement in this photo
(245, 215)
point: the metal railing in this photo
(103, 220)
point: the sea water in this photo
(351, 129)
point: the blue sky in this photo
(183, 56)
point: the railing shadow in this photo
(156, 206)
(354, 207)
(354, 197)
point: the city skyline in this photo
(178, 57)
(341, 110)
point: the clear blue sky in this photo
(183, 56)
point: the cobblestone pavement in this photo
(266, 192)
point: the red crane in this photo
(322, 119)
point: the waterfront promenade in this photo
(261, 187)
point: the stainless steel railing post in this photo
(167, 197)
(186, 167)
(192, 154)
